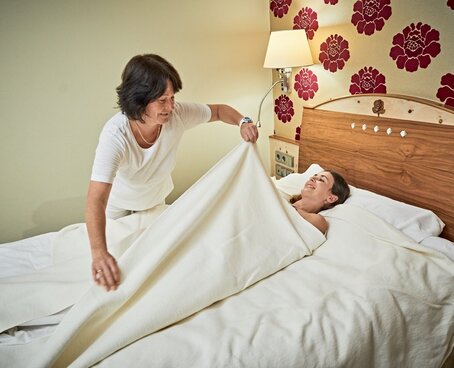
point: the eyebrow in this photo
(322, 176)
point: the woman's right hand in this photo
(104, 267)
(105, 270)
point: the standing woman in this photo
(137, 148)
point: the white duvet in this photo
(228, 231)
(369, 296)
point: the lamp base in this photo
(285, 75)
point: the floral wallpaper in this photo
(366, 46)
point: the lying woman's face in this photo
(319, 185)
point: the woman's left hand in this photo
(249, 132)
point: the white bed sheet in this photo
(25, 256)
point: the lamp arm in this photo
(263, 99)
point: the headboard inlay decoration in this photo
(379, 107)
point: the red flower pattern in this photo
(331, 2)
(334, 53)
(297, 133)
(283, 107)
(306, 84)
(446, 92)
(414, 47)
(368, 80)
(451, 4)
(306, 19)
(370, 15)
(280, 7)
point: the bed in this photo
(377, 291)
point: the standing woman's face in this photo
(159, 110)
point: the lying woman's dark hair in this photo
(340, 189)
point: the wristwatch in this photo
(246, 119)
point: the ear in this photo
(332, 198)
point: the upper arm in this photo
(110, 153)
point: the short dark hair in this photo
(144, 79)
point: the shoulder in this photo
(319, 222)
(315, 219)
(115, 134)
(116, 128)
(117, 124)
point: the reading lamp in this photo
(286, 49)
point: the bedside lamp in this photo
(286, 49)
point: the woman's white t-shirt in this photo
(141, 177)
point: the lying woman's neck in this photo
(308, 205)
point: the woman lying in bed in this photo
(322, 191)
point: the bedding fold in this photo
(228, 231)
(58, 286)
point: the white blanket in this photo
(228, 231)
(368, 297)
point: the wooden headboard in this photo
(416, 168)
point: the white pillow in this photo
(416, 222)
(441, 245)
(292, 184)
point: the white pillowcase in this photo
(292, 184)
(418, 223)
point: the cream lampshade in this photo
(286, 49)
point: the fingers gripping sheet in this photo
(228, 231)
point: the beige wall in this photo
(59, 66)
(369, 50)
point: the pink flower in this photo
(370, 15)
(306, 84)
(446, 93)
(283, 107)
(306, 19)
(368, 80)
(280, 7)
(331, 2)
(414, 47)
(451, 4)
(334, 53)
(297, 133)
